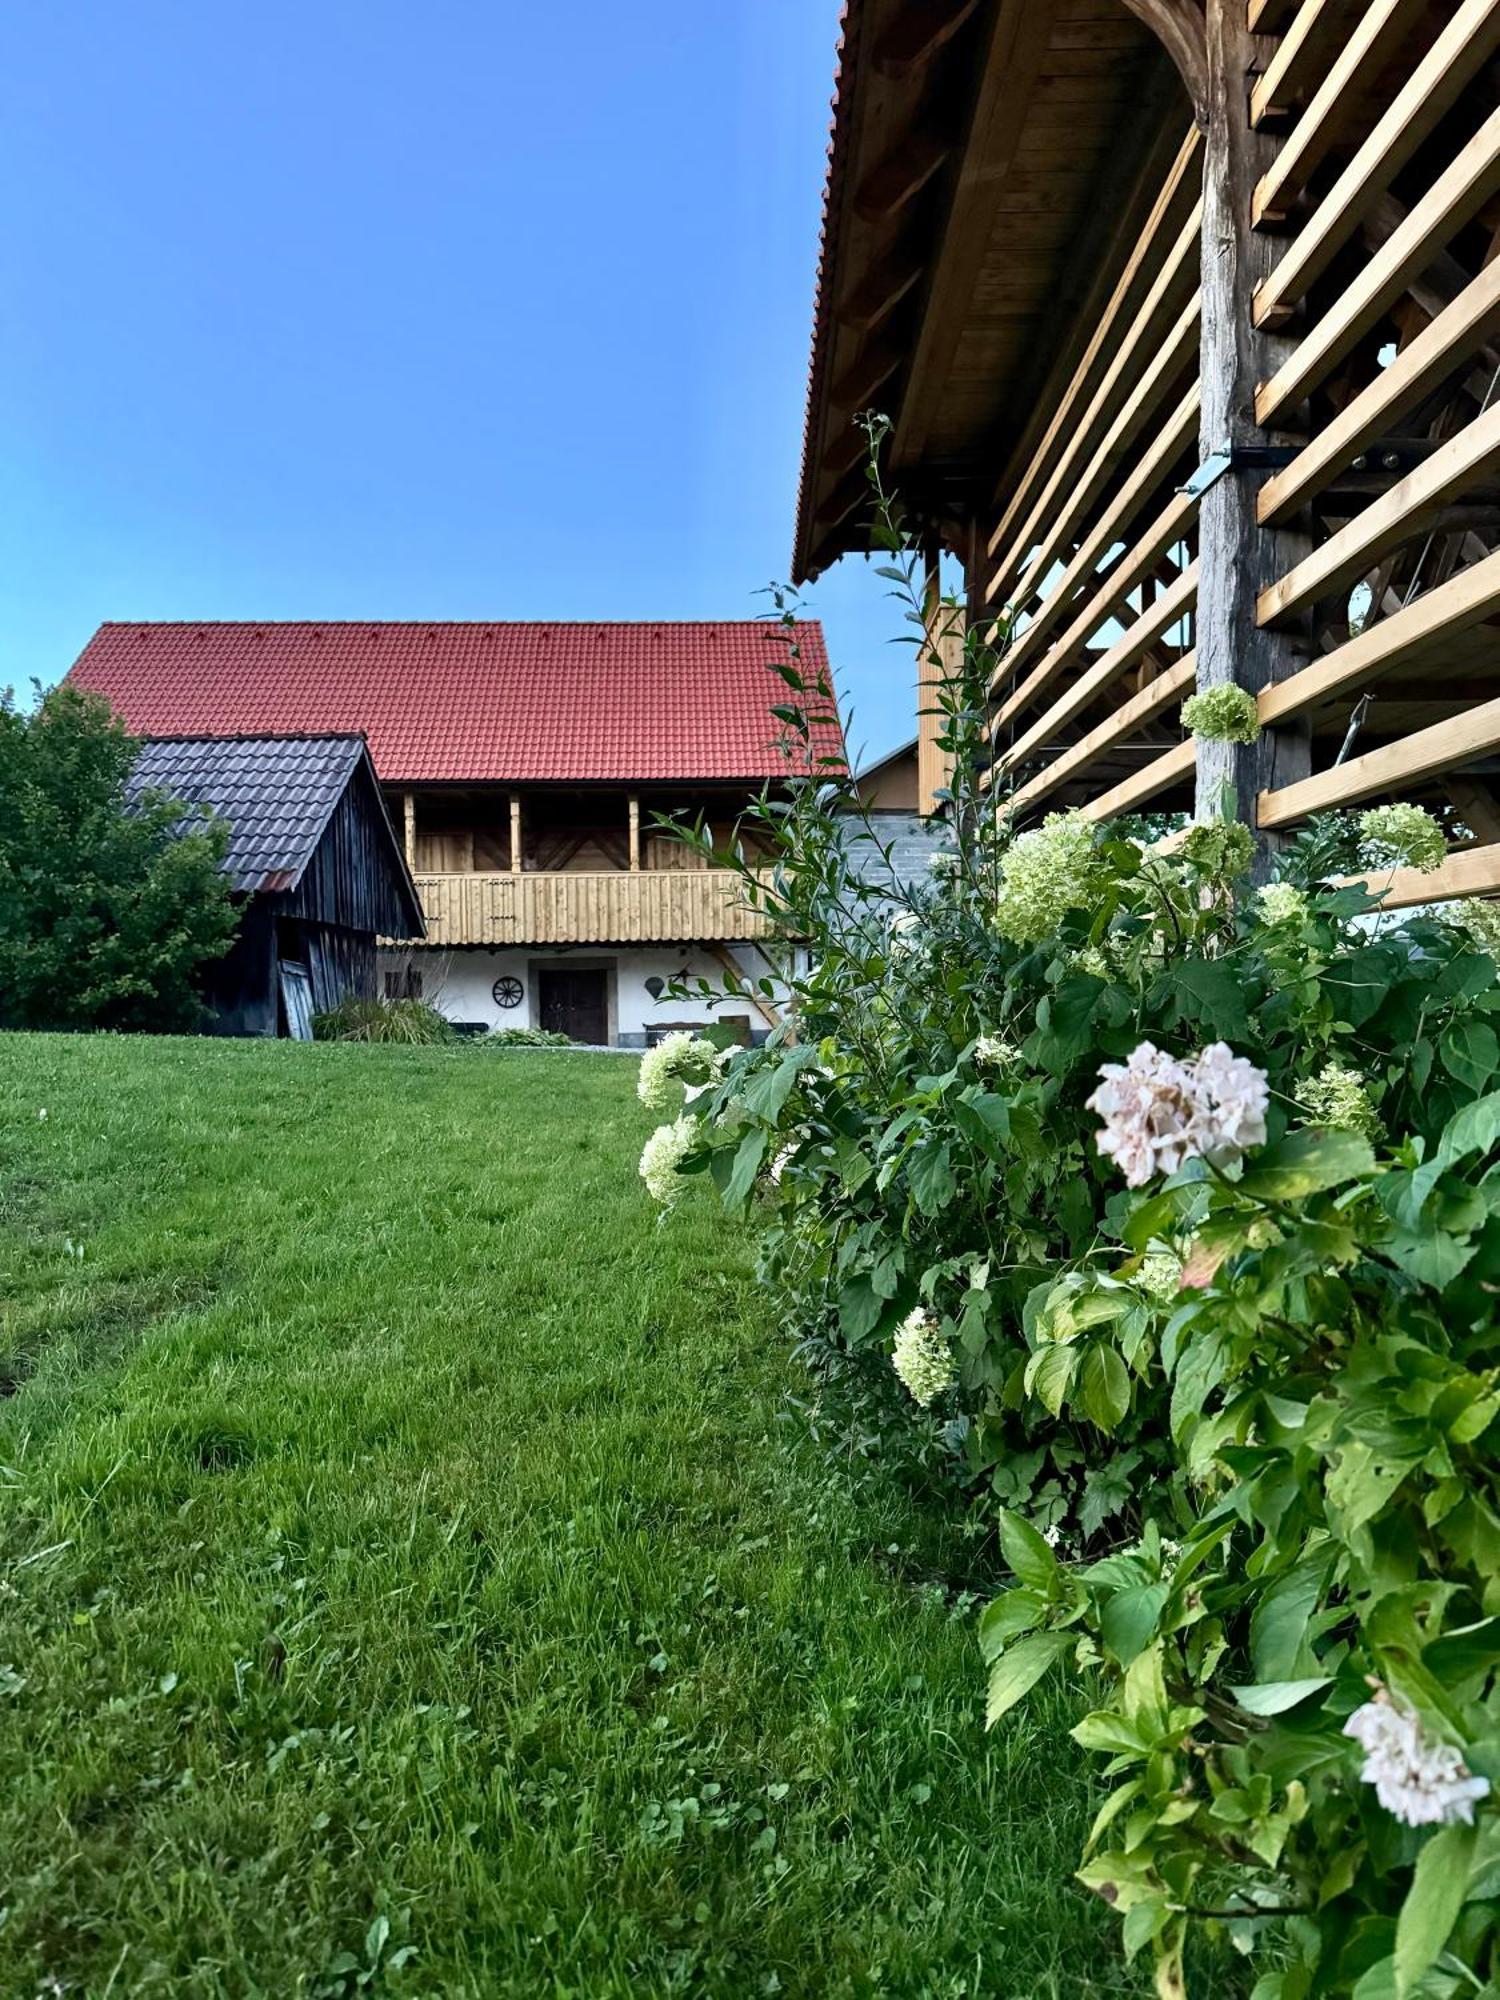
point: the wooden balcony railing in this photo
(647, 907)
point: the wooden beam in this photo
(732, 966)
(881, 290)
(515, 833)
(1178, 25)
(635, 834)
(1171, 768)
(1383, 27)
(1278, 88)
(911, 163)
(941, 654)
(1413, 634)
(873, 366)
(1471, 871)
(1456, 196)
(1137, 640)
(1464, 46)
(1421, 366)
(1007, 67)
(1236, 556)
(1131, 715)
(409, 817)
(915, 37)
(1394, 518)
(1476, 804)
(1394, 767)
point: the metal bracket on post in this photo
(1237, 458)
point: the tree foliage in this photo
(108, 910)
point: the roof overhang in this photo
(990, 163)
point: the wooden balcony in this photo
(573, 907)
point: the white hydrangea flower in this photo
(1282, 903)
(1160, 1276)
(994, 1052)
(1159, 1112)
(1482, 922)
(1337, 1097)
(922, 1358)
(905, 931)
(1420, 1779)
(663, 1067)
(782, 1160)
(1047, 872)
(1401, 836)
(661, 1156)
(944, 862)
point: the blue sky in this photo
(466, 308)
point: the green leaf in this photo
(1274, 1697)
(1026, 1552)
(1470, 1053)
(1475, 1129)
(1438, 1886)
(1306, 1162)
(930, 1173)
(1006, 1617)
(1128, 1622)
(1049, 1375)
(1104, 1387)
(1018, 1670)
(747, 1158)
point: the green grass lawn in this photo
(413, 1584)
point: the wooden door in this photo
(575, 1003)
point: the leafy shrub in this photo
(526, 1038)
(1068, 1180)
(107, 911)
(375, 1020)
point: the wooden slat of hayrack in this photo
(1156, 619)
(1388, 521)
(1378, 31)
(1394, 767)
(1114, 520)
(1169, 360)
(1464, 46)
(1291, 66)
(1407, 637)
(1170, 525)
(1448, 204)
(1437, 351)
(1169, 769)
(1064, 422)
(1114, 392)
(1472, 871)
(1170, 687)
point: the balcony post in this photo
(635, 834)
(515, 833)
(409, 814)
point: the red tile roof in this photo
(480, 702)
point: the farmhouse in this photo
(527, 768)
(311, 855)
(1187, 323)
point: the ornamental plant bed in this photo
(1154, 1220)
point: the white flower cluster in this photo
(662, 1068)
(922, 1358)
(1482, 922)
(905, 931)
(1401, 836)
(1158, 1111)
(1337, 1097)
(1160, 1276)
(1282, 903)
(781, 1162)
(1047, 872)
(994, 1052)
(661, 1156)
(1420, 1779)
(944, 862)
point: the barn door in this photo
(575, 1003)
(297, 999)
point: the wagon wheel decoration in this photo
(507, 990)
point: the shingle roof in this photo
(444, 702)
(277, 794)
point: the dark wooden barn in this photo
(314, 857)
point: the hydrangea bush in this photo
(1066, 1172)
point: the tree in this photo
(108, 906)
